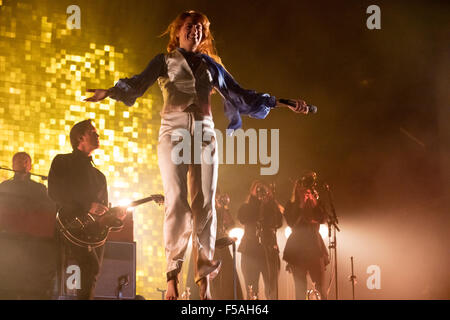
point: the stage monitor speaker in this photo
(117, 279)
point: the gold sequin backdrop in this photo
(45, 69)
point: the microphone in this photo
(311, 108)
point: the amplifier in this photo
(117, 279)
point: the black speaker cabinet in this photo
(117, 278)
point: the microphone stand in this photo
(353, 280)
(122, 281)
(333, 224)
(223, 243)
(234, 271)
(33, 174)
(163, 293)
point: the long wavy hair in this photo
(206, 45)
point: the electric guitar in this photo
(90, 230)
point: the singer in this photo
(187, 75)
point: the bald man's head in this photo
(21, 162)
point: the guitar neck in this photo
(137, 202)
(141, 201)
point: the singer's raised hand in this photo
(300, 107)
(99, 94)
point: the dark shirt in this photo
(267, 217)
(192, 58)
(299, 218)
(74, 183)
(305, 244)
(24, 193)
(237, 100)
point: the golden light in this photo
(56, 66)
(237, 233)
(323, 230)
(287, 232)
(123, 202)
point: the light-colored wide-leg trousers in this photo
(198, 174)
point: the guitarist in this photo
(78, 188)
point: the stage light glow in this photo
(124, 202)
(323, 230)
(237, 233)
(287, 232)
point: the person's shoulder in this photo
(63, 156)
(61, 159)
(159, 60)
(101, 174)
(156, 61)
(38, 185)
(210, 59)
(160, 56)
(171, 54)
(6, 182)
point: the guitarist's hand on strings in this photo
(121, 212)
(97, 209)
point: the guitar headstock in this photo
(158, 198)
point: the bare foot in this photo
(203, 287)
(172, 290)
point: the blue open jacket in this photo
(237, 101)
